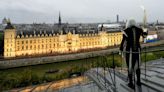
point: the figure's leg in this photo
(130, 75)
(127, 62)
(138, 71)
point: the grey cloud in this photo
(29, 11)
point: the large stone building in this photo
(46, 42)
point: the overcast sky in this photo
(79, 11)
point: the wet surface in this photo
(109, 80)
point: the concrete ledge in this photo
(4, 64)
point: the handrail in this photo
(117, 52)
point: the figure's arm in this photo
(144, 32)
(122, 43)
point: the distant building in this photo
(111, 27)
(4, 21)
(19, 43)
(160, 33)
(152, 36)
(3, 24)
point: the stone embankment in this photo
(4, 64)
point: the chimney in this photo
(117, 18)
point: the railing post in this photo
(114, 72)
(145, 62)
(104, 61)
(121, 61)
(97, 60)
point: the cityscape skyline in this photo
(79, 11)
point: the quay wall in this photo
(4, 64)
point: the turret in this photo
(9, 40)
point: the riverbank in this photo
(5, 64)
(51, 59)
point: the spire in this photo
(102, 27)
(59, 23)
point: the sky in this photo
(80, 11)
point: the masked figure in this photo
(130, 46)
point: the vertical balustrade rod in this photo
(114, 72)
(145, 62)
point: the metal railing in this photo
(143, 52)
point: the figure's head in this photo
(130, 23)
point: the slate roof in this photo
(9, 26)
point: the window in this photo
(30, 41)
(34, 41)
(22, 42)
(27, 42)
(26, 47)
(18, 42)
(18, 48)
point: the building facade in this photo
(45, 43)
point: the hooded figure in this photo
(130, 46)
